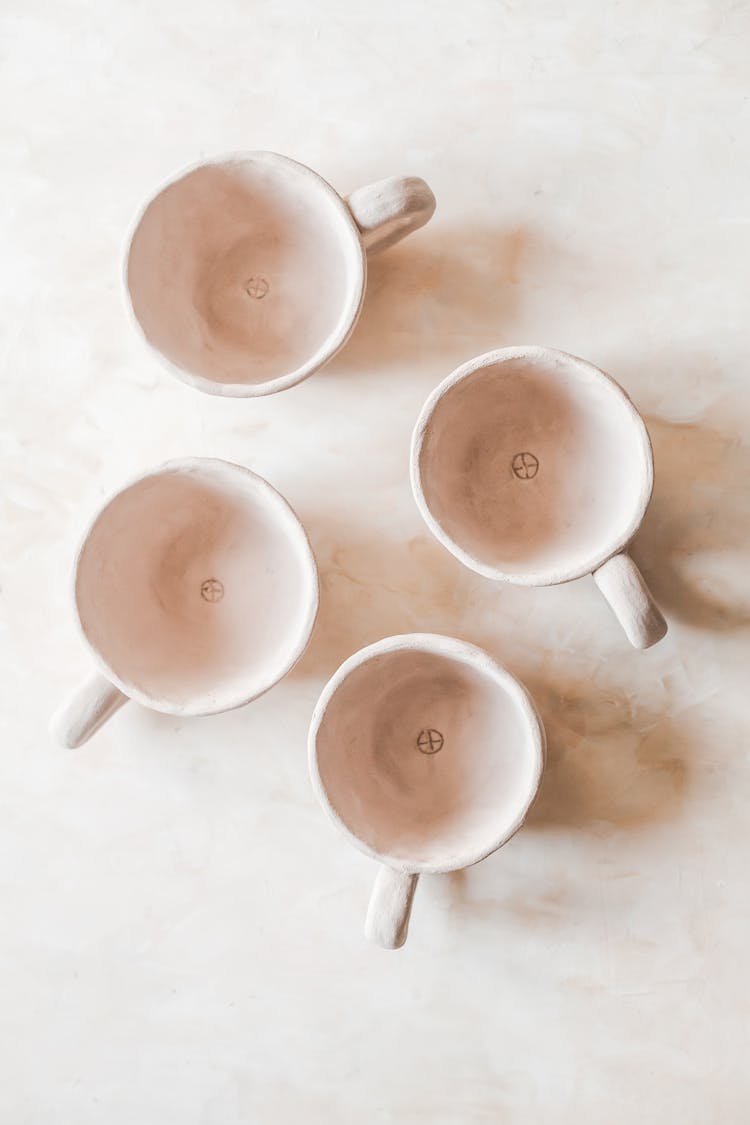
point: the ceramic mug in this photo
(246, 274)
(426, 754)
(195, 590)
(533, 466)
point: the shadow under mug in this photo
(195, 589)
(427, 755)
(534, 467)
(246, 274)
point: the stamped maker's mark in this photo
(430, 741)
(525, 465)
(212, 590)
(256, 287)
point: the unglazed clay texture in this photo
(427, 754)
(181, 925)
(536, 466)
(425, 757)
(533, 466)
(196, 588)
(241, 272)
(247, 274)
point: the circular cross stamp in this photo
(430, 741)
(212, 590)
(256, 287)
(525, 465)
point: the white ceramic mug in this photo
(533, 466)
(426, 754)
(246, 274)
(195, 590)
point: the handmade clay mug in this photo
(195, 590)
(533, 466)
(426, 754)
(246, 274)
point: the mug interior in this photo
(533, 466)
(428, 761)
(196, 587)
(246, 274)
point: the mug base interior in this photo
(535, 468)
(246, 273)
(428, 761)
(196, 588)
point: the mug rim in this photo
(228, 468)
(462, 652)
(556, 575)
(349, 316)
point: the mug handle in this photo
(85, 710)
(621, 582)
(391, 209)
(387, 922)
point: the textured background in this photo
(181, 929)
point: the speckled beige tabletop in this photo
(181, 928)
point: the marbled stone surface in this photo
(181, 929)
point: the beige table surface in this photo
(181, 928)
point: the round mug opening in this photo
(246, 274)
(426, 753)
(196, 588)
(531, 466)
